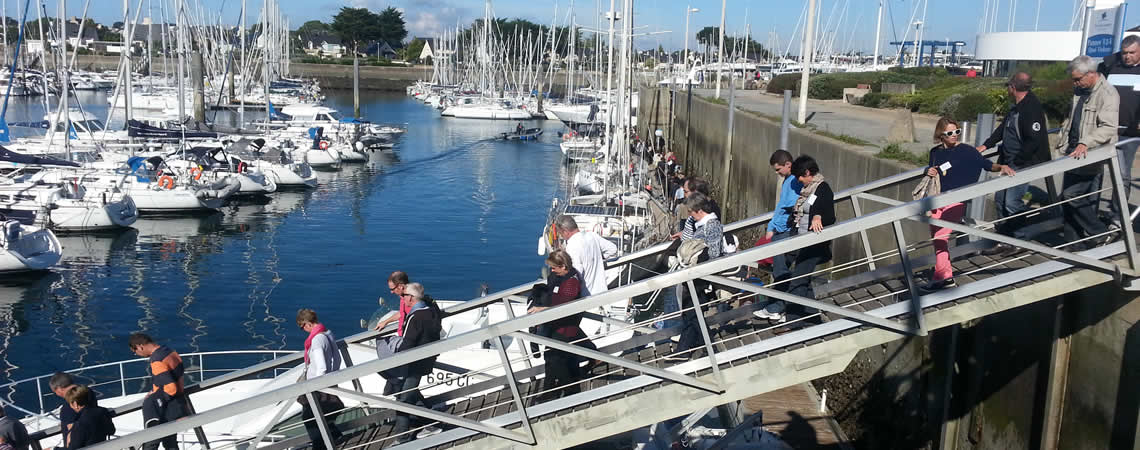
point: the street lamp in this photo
(688, 11)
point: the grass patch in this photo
(897, 153)
(841, 137)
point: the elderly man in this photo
(1122, 69)
(1091, 124)
(423, 326)
(589, 253)
(1024, 142)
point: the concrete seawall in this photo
(1057, 374)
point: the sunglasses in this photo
(952, 132)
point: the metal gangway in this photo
(868, 301)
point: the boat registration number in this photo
(448, 378)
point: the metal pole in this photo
(720, 48)
(699, 311)
(908, 272)
(786, 119)
(319, 416)
(878, 30)
(806, 58)
(196, 73)
(1122, 204)
(514, 385)
(728, 147)
(356, 87)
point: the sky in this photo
(852, 22)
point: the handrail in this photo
(846, 194)
(890, 215)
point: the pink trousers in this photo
(949, 213)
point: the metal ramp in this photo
(636, 385)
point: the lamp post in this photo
(688, 10)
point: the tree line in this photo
(356, 27)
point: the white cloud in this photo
(427, 18)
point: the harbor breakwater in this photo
(1054, 374)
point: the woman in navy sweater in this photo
(957, 165)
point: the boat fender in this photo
(324, 145)
(241, 167)
(598, 228)
(196, 172)
(166, 182)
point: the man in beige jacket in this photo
(1091, 124)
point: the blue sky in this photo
(853, 21)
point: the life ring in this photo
(324, 145)
(166, 182)
(196, 172)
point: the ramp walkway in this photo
(642, 380)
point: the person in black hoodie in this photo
(92, 424)
(423, 326)
(1122, 70)
(1024, 139)
(814, 210)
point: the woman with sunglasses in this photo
(957, 165)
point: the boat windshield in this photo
(335, 115)
(90, 125)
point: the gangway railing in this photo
(711, 377)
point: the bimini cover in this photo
(274, 114)
(13, 157)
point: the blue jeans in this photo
(1127, 154)
(1081, 218)
(781, 264)
(1009, 202)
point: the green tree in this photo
(390, 22)
(355, 26)
(413, 50)
(709, 36)
(310, 30)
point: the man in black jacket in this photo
(424, 325)
(1024, 142)
(1122, 70)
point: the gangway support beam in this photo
(908, 275)
(622, 362)
(431, 414)
(822, 306)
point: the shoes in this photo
(675, 359)
(429, 431)
(935, 286)
(1001, 249)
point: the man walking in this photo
(1024, 142)
(166, 401)
(61, 383)
(1122, 69)
(1091, 124)
(781, 162)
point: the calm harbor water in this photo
(451, 206)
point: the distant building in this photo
(429, 50)
(380, 49)
(324, 45)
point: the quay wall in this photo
(1056, 374)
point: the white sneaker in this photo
(429, 431)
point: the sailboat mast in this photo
(878, 29)
(180, 23)
(66, 80)
(244, 73)
(265, 50)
